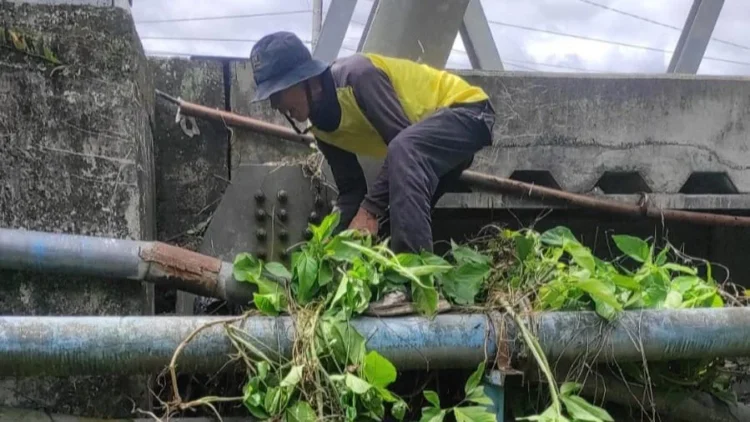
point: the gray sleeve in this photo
(379, 102)
(350, 181)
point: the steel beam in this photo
(368, 25)
(696, 34)
(477, 38)
(420, 30)
(332, 34)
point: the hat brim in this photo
(308, 70)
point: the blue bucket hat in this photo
(281, 60)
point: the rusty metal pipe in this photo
(154, 262)
(503, 185)
(236, 120)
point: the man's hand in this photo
(364, 221)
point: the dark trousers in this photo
(423, 162)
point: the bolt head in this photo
(308, 234)
(260, 214)
(260, 197)
(282, 196)
(262, 255)
(283, 215)
(283, 235)
(261, 234)
(313, 217)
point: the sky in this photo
(520, 49)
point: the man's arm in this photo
(378, 100)
(349, 178)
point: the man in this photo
(426, 123)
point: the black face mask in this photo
(325, 113)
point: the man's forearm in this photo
(348, 205)
(376, 200)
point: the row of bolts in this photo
(260, 215)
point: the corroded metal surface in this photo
(181, 268)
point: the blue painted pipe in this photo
(48, 345)
(121, 259)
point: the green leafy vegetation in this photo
(332, 279)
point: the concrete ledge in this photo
(122, 4)
(577, 127)
(739, 202)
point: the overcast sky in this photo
(520, 49)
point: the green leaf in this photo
(600, 291)
(479, 396)
(326, 227)
(473, 414)
(462, 284)
(626, 282)
(558, 236)
(275, 400)
(524, 247)
(357, 384)
(432, 414)
(680, 268)
(306, 272)
(378, 370)
(246, 267)
(300, 411)
(465, 254)
(632, 246)
(432, 397)
(580, 409)
(684, 283)
(253, 399)
(345, 343)
(338, 250)
(425, 299)
(278, 270)
(661, 259)
(581, 255)
(293, 377)
(325, 274)
(474, 379)
(673, 300)
(270, 303)
(569, 388)
(431, 259)
(399, 410)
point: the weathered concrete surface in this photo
(250, 148)
(579, 126)
(75, 156)
(192, 168)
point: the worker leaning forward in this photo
(426, 123)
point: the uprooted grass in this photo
(332, 376)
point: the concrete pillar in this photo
(422, 30)
(76, 156)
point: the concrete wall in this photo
(664, 127)
(192, 155)
(75, 157)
